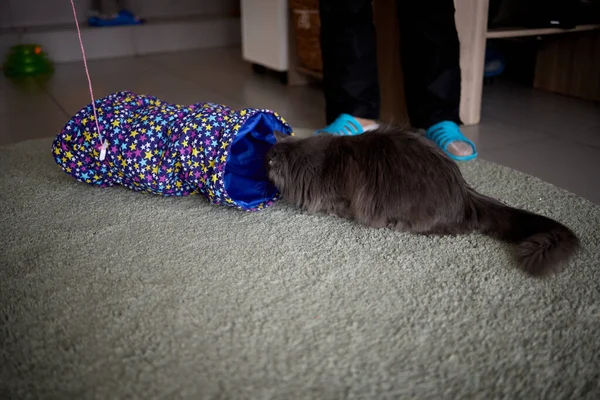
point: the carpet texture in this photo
(106, 293)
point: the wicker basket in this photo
(307, 26)
(304, 4)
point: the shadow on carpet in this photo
(106, 293)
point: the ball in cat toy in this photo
(148, 145)
(27, 60)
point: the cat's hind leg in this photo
(340, 208)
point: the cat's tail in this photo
(544, 246)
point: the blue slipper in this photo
(445, 132)
(124, 17)
(344, 125)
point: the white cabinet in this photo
(265, 33)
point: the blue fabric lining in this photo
(245, 176)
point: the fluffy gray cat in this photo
(398, 179)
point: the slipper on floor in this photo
(346, 125)
(445, 132)
(124, 17)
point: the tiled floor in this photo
(549, 136)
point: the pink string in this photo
(87, 72)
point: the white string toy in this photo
(104, 144)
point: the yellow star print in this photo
(116, 122)
(215, 178)
(148, 155)
(132, 147)
(195, 152)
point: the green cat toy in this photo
(27, 60)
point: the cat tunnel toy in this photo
(149, 145)
(145, 144)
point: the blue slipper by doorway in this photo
(445, 132)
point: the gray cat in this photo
(398, 179)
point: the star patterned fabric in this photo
(163, 148)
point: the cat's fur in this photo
(398, 179)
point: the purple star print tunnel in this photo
(152, 146)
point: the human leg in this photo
(431, 65)
(349, 49)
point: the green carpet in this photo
(111, 294)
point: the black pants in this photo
(430, 60)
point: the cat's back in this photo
(397, 160)
(392, 146)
